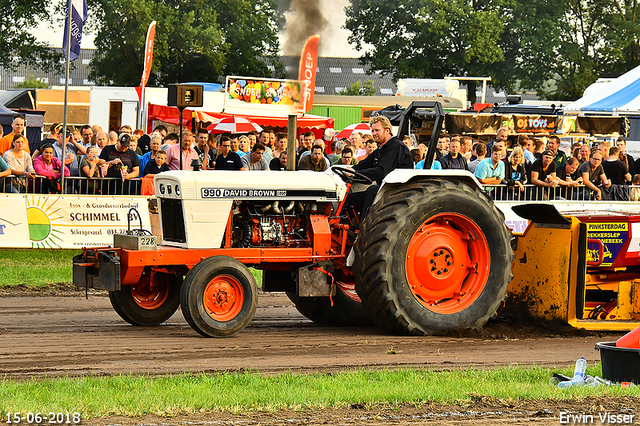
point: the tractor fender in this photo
(404, 176)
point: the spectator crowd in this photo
(526, 168)
(97, 162)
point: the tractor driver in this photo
(391, 154)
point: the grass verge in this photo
(242, 392)
(40, 267)
(35, 267)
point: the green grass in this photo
(35, 267)
(241, 392)
(38, 268)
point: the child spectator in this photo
(635, 191)
(90, 169)
(158, 166)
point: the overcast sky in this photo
(333, 42)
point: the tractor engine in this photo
(277, 224)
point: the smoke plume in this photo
(304, 19)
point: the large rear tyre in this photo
(433, 256)
(150, 302)
(219, 297)
(347, 309)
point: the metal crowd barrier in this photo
(73, 184)
(116, 186)
(560, 193)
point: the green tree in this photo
(429, 38)
(16, 44)
(32, 83)
(196, 40)
(622, 32)
(359, 89)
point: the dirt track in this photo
(69, 335)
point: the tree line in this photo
(555, 48)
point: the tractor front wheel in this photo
(433, 256)
(153, 300)
(219, 297)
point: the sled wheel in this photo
(433, 256)
(219, 297)
(347, 309)
(153, 300)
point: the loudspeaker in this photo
(184, 95)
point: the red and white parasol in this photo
(358, 127)
(233, 125)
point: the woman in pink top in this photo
(49, 166)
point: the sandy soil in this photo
(60, 333)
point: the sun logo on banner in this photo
(42, 220)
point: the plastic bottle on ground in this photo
(578, 375)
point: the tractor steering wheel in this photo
(344, 172)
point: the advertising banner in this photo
(283, 95)
(532, 124)
(307, 72)
(148, 60)
(613, 237)
(67, 222)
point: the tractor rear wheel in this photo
(433, 256)
(219, 297)
(151, 301)
(347, 309)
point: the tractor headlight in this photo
(161, 187)
(177, 190)
(169, 189)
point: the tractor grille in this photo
(172, 221)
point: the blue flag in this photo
(78, 16)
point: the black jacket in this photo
(392, 155)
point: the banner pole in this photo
(66, 99)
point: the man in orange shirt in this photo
(18, 127)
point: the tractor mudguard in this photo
(405, 176)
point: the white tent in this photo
(617, 97)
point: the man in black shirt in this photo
(615, 169)
(123, 163)
(280, 163)
(391, 154)
(227, 159)
(454, 160)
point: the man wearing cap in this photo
(17, 127)
(122, 163)
(188, 154)
(559, 157)
(543, 173)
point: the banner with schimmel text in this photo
(66, 221)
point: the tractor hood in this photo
(250, 185)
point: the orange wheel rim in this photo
(151, 292)
(447, 263)
(223, 298)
